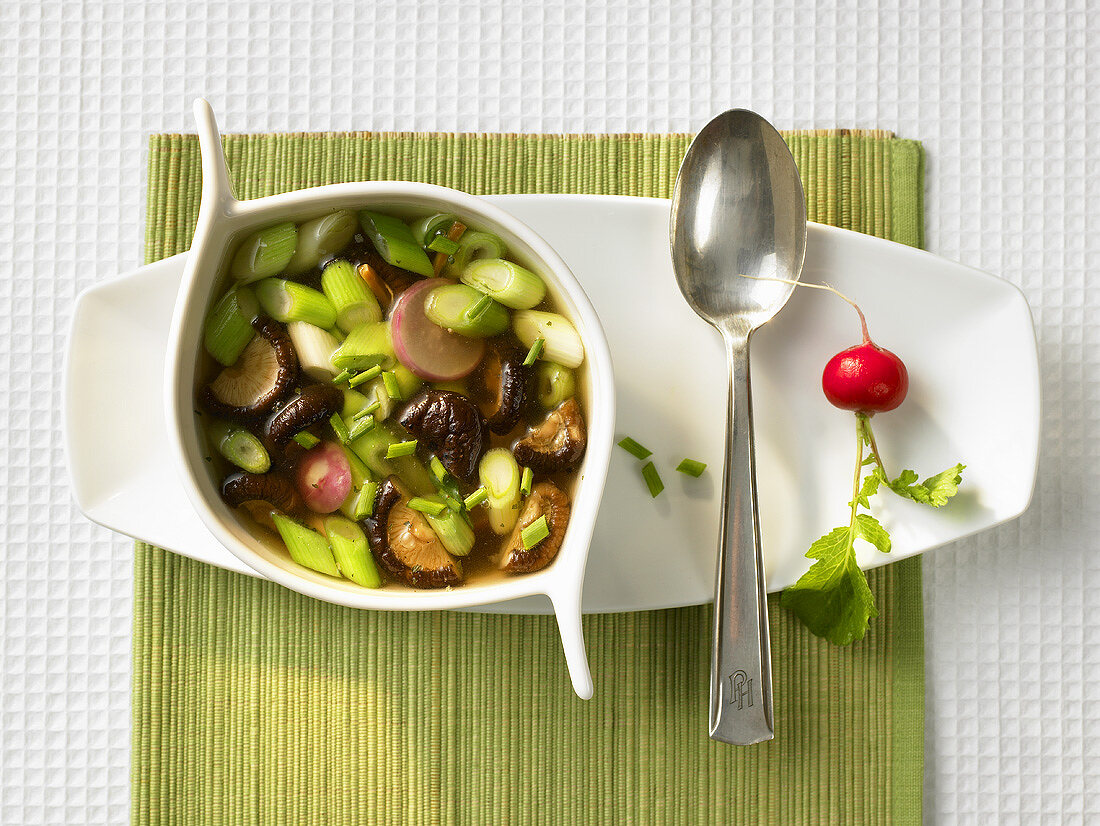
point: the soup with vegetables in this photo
(394, 400)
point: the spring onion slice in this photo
(437, 469)
(342, 376)
(465, 311)
(315, 348)
(526, 481)
(393, 388)
(339, 428)
(351, 551)
(652, 479)
(419, 503)
(480, 306)
(361, 427)
(432, 227)
(692, 467)
(407, 381)
(443, 244)
(395, 242)
(320, 238)
(534, 533)
(563, 343)
(441, 258)
(365, 376)
(634, 449)
(553, 384)
(366, 345)
(474, 246)
(500, 476)
(239, 446)
(451, 527)
(306, 439)
(350, 296)
(534, 352)
(366, 411)
(228, 326)
(399, 449)
(506, 281)
(364, 502)
(265, 253)
(306, 547)
(475, 498)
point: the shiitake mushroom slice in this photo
(548, 500)
(558, 443)
(262, 375)
(272, 488)
(450, 425)
(501, 383)
(404, 543)
(314, 404)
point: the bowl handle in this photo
(567, 611)
(217, 188)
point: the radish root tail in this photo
(826, 287)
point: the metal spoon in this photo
(738, 208)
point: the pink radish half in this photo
(423, 346)
(323, 477)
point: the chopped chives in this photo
(652, 479)
(364, 502)
(452, 503)
(399, 449)
(393, 387)
(365, 376)
(634, 449)
(366, 411)
(443, 244)
(526, 480)
(476, 498)
(692, 467)
(534, 352)
(480, 306)
(362, 426)
(342, 376)
(306, 439)
(534, 533)
(339, 428)
(438, 471)
(419, 503)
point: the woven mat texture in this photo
(252, 704)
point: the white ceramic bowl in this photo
(222, 221)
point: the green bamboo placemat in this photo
(253, 704)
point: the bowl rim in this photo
(221, 222)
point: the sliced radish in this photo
(323, 477)
(426, 348)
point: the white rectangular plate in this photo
(966, 337)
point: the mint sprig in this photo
(832, 598)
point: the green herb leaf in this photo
(832, 598)
(934, 491)
(869, 528)
(869, 489)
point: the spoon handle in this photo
(740, 669)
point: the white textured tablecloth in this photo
(1007, 103)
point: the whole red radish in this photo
(323, 477)
(865, 378)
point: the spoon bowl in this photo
(738, 210)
